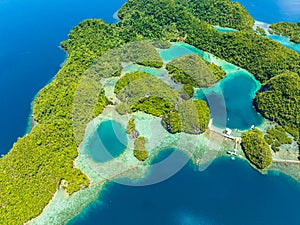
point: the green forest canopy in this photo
(32, 171)
(279, 101)
(192, 69)
(291, 30)
(256, 149)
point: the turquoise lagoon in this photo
(228, 192)
(230, 100)
(285, 42)
(107, 142)
(233, 97)
(225, 29)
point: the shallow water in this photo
(225, 29)
(233, 97)
(230, 100)
(228, 193)
(107, 142)
(285, 42)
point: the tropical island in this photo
(290, 30)
(49, 158)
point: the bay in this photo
(107, 142)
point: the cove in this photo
(225, 29)
(285, 42)
(228, 193)
(233, 96)
(152, 71)
(107, 142)
(230, 100)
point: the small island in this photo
(290, 30)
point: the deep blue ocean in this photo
(30, 35)
(228, 192)
(272, 11)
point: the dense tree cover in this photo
(256, 149)
(162, 44)
(192, 69)
(124, 81)
(290, 30)
(145, 87)
(217, 71)
(149, 63)
(263, 57)
(171, 122)
(224, 13)
(279, 101)
(140, 151)
(131, 130)
(32, 171)
(261, 31)
(216, 12)
(179, 76)
(153, 105)
(192, 117)
(187, 91)
(101, 102)
(276, 137)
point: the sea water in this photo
(227, 193)
(273, 11)
(233, 97)
(285, 42)
(230, 100)
(108, 141)
(30, 35)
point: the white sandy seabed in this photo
(200, 148)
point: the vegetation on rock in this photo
(290, 30)
(193, 70)
(279, 101)
(256, 149)
(276, 137)
(140, 151)
(131, 130)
